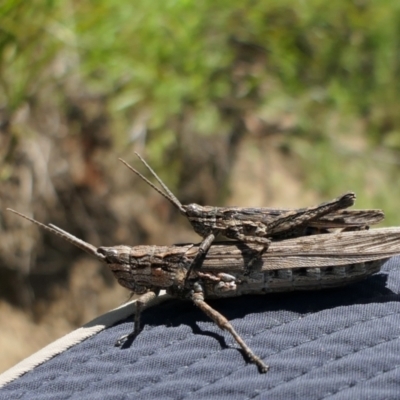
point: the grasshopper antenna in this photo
(65, 235)
(166, 194)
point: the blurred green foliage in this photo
(319, 61)
(165, 54)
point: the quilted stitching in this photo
(342, 343)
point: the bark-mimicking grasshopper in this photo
(259, 225)
(303, 263)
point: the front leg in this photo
(197, 296)
(201, 253)
(139, 304)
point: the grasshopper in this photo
(260, 225)
(302, 263)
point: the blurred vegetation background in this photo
(252, 103)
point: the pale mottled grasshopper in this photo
(260, 225)
(302, 263)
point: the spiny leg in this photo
(292, 220)
(198, 298)
(139, 304)
(201, 253)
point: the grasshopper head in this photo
(193, 210)
(124, 268)
(143, 268)
(202, 218)
(115, 255)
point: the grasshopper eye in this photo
(107, 252)
(193, 209)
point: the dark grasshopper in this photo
(303, 263)
(260, 225)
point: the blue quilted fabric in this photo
(336, 344)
